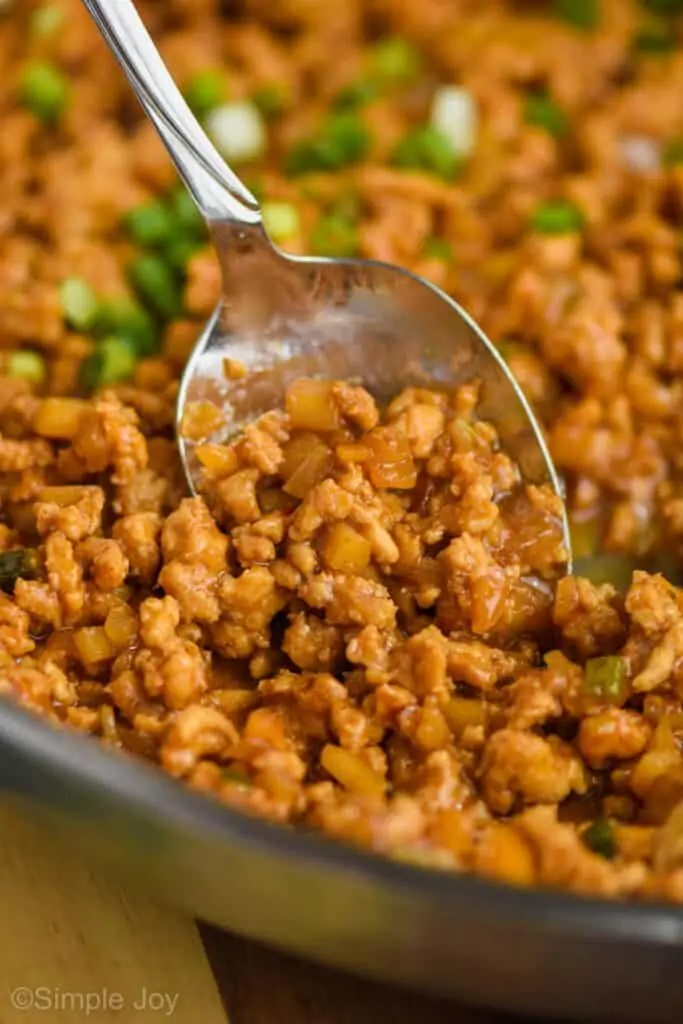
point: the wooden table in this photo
(76, 946)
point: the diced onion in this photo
(641, 153)
(454, 115)
(238, 131)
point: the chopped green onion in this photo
(557, 218)
(281, 220)
(272, 99)
(238, 131)
(605, 677)
(672, 153)
(204, 92)
(394, 61)
(655, 37)
(542, 111)
(427, 149)
(439, 249)
(343, 140)
(113, 360)
(335, 235)
(150, 224)
(180, 251)
(124, 318)
(18, 563)
(581, 13)
(156, 285)
(26, 365)
(186, 213)
(44, 90)
(45, 20)
(599, 837)
(356, 94)
(79, 303)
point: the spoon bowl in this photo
(283, 317)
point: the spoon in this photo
(283, 317)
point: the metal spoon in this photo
(284, 317)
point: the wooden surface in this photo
(263, 987)
(75, 946)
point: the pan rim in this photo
(147, 790)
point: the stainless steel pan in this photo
(524, 951)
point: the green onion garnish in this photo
(187, 216)
(356, 94)
(543, 112)
(113, 360)
(599, 837)
(26, 365)
(335, 235)
(45, 20)
(180, 251)
(394, 61)
(44, 90)
(343, 140)
(124, 318)
(204, 92)
(156, 285)
(272, 99)
(426, 149)
(79, 303)
(151, 224)
(18, 563)
(556, 218)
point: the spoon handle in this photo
(217, 191)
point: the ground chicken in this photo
(362, 624)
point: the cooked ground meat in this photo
(359, 626)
